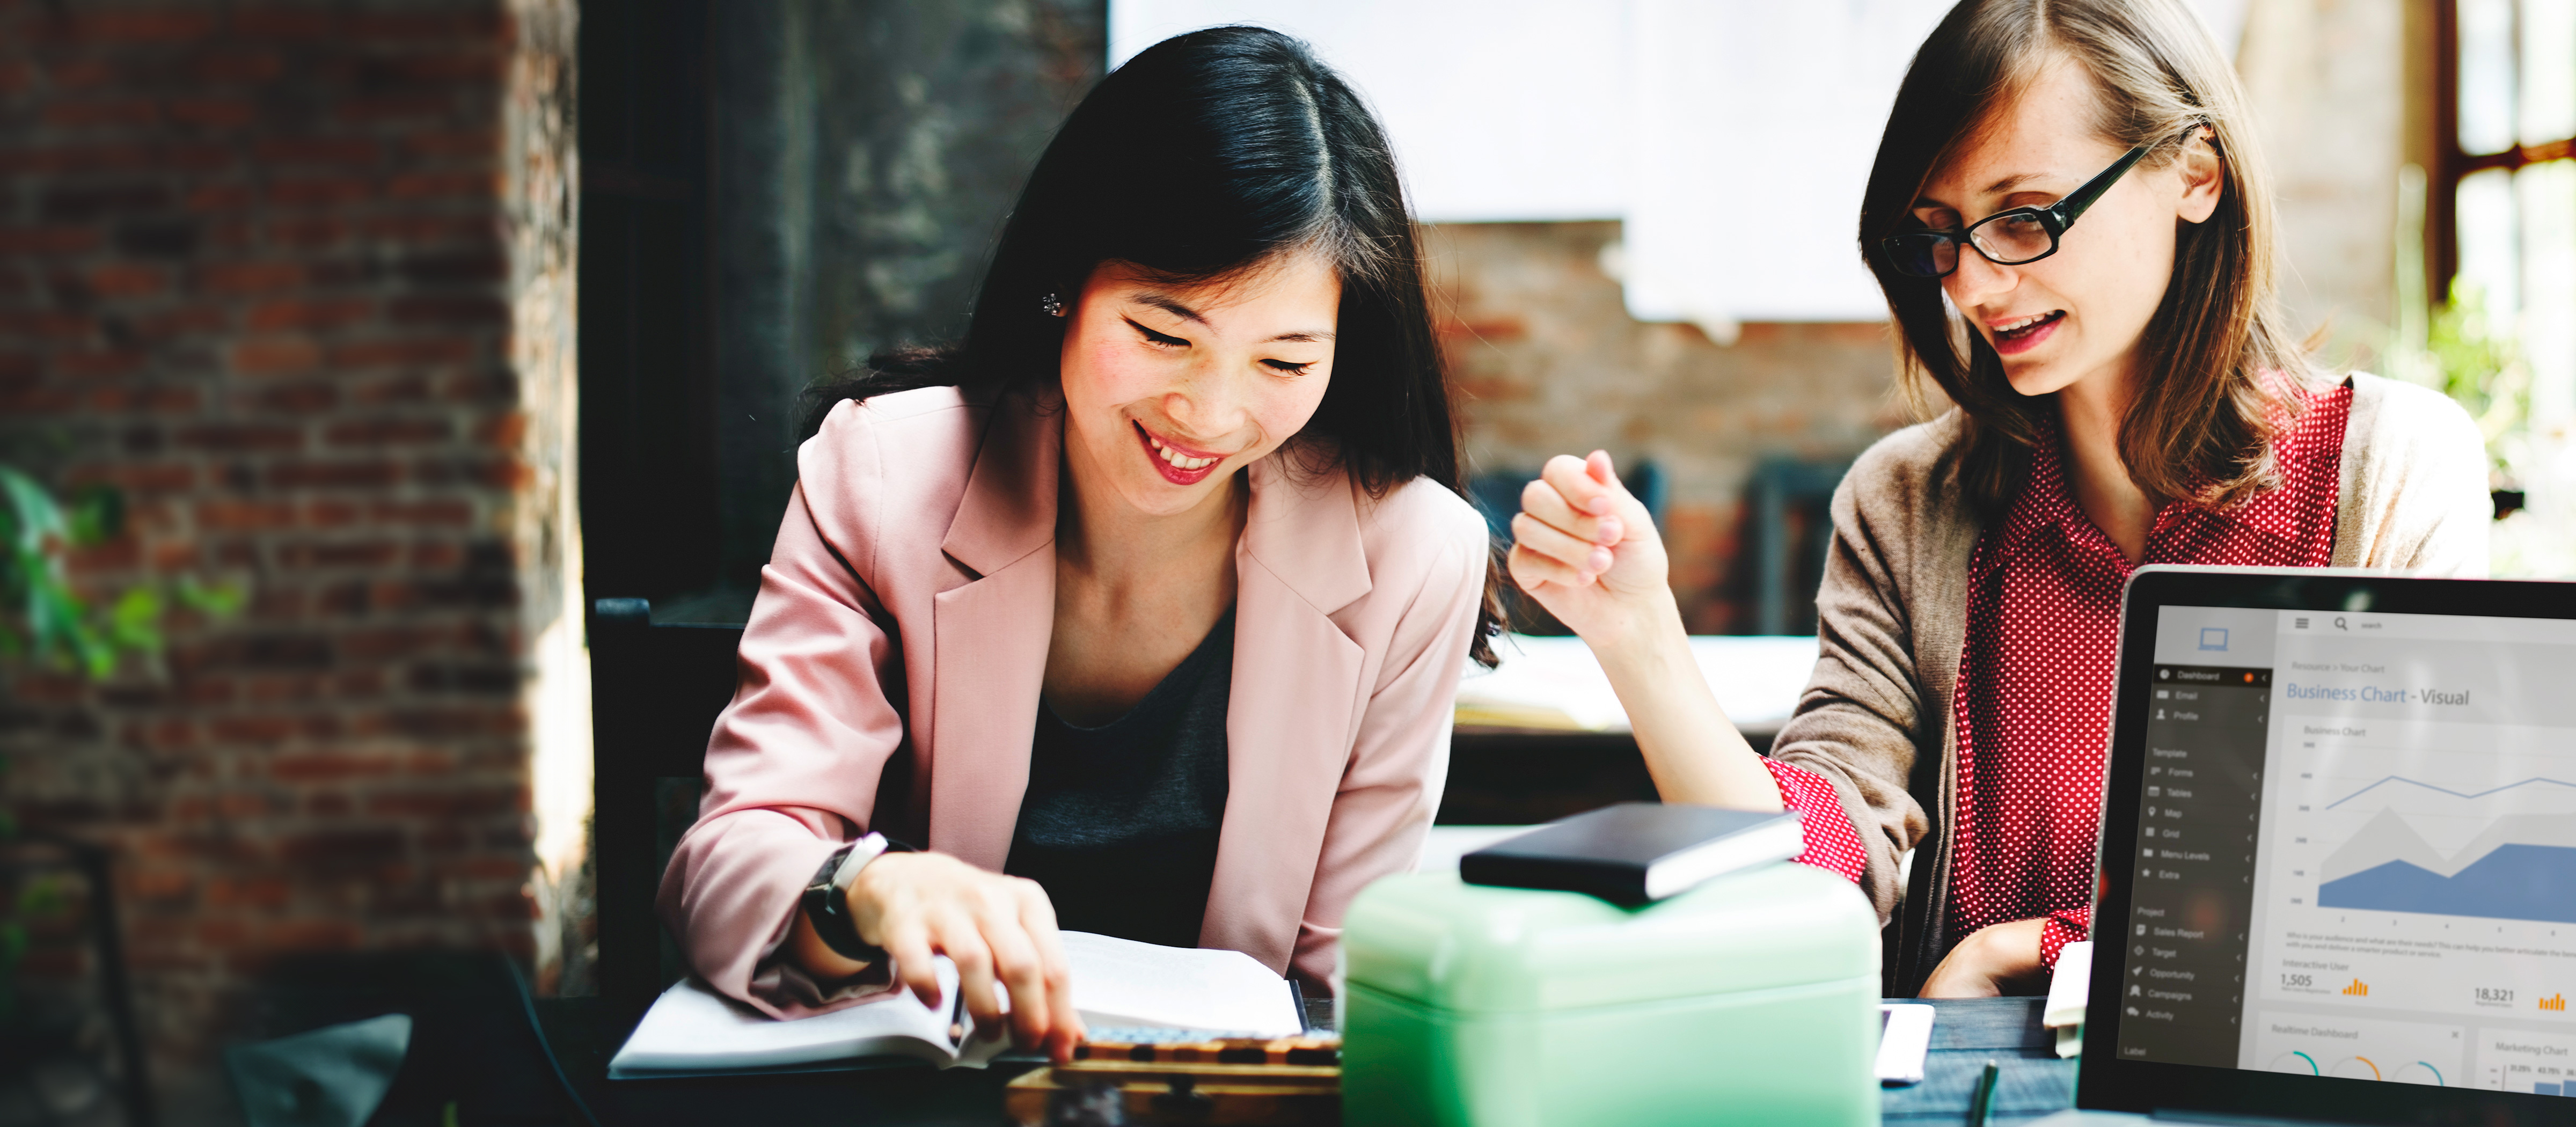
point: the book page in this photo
(693, 1029)
(1120, 982)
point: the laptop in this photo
(2338, 859)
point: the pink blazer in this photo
(891, 670)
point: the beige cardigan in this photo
(1875, 718)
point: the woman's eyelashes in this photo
(1159, 340)
(1168, 341)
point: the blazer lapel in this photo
(1290, 719)
(992, 635)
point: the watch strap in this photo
(826, 904)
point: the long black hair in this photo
(1204, 157)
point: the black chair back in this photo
(655, 692)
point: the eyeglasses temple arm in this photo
(2076, 201)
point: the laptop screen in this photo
(2356, 849)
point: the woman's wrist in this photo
(1643, 632)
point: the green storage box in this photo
(1750, 999)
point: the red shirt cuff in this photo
(1832, 844)
(2063, 928)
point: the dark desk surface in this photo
(1967, 1034)
(1964, 1037)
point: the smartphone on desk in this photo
(1904, 1036)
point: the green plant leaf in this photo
(97, 515)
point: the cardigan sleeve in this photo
(2416, 475)
(793, 765)
(1863, 716)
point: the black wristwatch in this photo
(827, 907)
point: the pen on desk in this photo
(1982, 1101)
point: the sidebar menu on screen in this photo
(2184, 984)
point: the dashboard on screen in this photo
(2356, 849)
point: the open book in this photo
(1117, 983)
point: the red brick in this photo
(77, 158)
(96, 112)
(456, 311)
(98, 363)
(285, 22)
(245, 516)
(84, 72)
(427, 514)
(421, 229)
(392, 353)
(408, 28)
(252, 892)
(331, 514)
(504, 431)
(450, 269)
(142, 477)
(220, 197)
(310, 935)
(89, 201)
(334, 475)
(308, 231)
(275, 356)
(212, 113)
(126, 280)
(445, 186)
(160, 884)
(298, 398)
(395, 107)
(234, 438)
(251, 277)
(167, 25)
(343, 151)
(61, 240)
(453, 143)
(221, 67)
(178, 320)
(320, 191)
(45, 324)
(448, 804)
(388, 432)
(329, 554)
(251, 729)
(277, 315)
(328, 767)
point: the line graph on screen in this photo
(2518, 863)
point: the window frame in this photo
(2450, 163)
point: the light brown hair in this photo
(2206, 398)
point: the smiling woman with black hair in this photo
(1142, 609)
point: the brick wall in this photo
(1539, 335)
(297, 279)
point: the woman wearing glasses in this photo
(2074, 233)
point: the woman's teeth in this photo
(2026, 323)
(1177, 460)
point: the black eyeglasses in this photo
(2006, 238)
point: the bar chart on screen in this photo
(2515, 1060)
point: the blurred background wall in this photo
(423, 322)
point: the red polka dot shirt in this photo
(2034, 692)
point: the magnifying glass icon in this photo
(2340, 626)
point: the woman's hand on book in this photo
(997, 929)
(1584, 547)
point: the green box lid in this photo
(1440, 942)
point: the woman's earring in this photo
(1053, 305)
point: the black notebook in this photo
(1636, 852)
